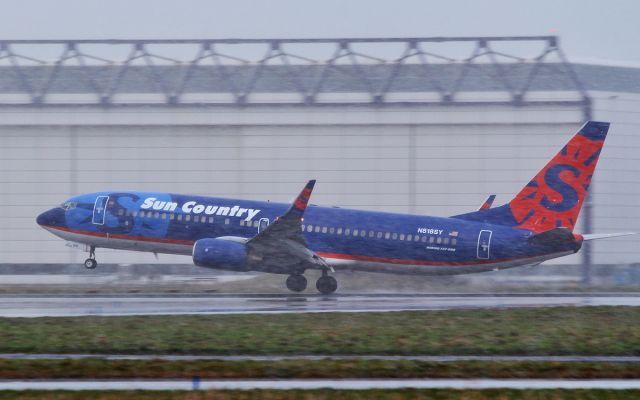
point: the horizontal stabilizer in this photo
(553, 236)
(487, 203)
(594, 236)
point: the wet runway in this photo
(309, 384)
(185, 304)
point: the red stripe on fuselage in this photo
(124, 237)
(401, 261)
(340, 256)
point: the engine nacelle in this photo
(220, 253)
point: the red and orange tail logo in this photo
(555, 195)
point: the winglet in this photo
(302, 200)
(487, 203)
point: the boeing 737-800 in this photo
(247, 235)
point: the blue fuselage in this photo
(346, 238)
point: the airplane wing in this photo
(594, 236)
(282, 243)
(487, 203)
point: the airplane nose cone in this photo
(53, 217)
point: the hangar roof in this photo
(284, 76)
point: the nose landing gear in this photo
(91, 263)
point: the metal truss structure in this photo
(376, 68)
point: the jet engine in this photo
(221, 254)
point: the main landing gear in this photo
(296, 283)
(325, 284)
(91, 263)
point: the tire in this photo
(296, 283)
(90, 263)
(327, 284)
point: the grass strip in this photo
(303, 369)
(328, 394)
(539, 331)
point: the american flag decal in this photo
(453, 233)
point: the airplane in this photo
(247, 235)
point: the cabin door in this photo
(262, 225)
(484, 244)
(100, 210)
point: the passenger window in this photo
(394, 236)
(226, 221)
(211, 220)
(163, 216)
(309, 228)
(387, 235)
(172, 216)
(416, 238)
(363, 233)
(439, 240)
(409, 237)
(156, 215)
(255, 223)
(142, 213)
(242, 224)
(424, 239)
(347, 231)
(324, 229)
(445, 240)
(332, 230)
(196, 218)
(187, 217)
(454, 241)
(355, 232)
(371, 233)
(379, 235)
(135, 213)
(121, 212)
(402, 236)
(317, 229)
(432, 239)
(339, 231)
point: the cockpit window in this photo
(68, 205)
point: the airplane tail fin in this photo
(554, 197)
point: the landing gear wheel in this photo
(326, 284)
(90, 263)
(296, 283)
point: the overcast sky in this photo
(589, 29)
